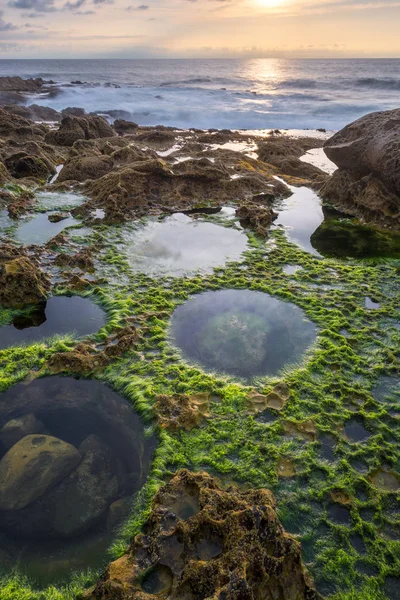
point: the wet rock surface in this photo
(367, 182)
(204, 542)
(79, 128)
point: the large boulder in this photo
(367, 182)
(78, 502)
(201, 541)
(32, 466)
(22, 282)
(80, 128)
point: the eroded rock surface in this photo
(367, 182)
(201, 542)
(79, 128)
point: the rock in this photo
(85, 167)
(118, 511)
(18, 428)
(205, 542)
(4, 174)
(257, 217)
(367, 182)
(44, 113)
(22, 165)
(73, 111)
(83, 260)
(22, 282)
(121, 126)
(32, 466)
(57, 217)
(78, 502)
(181, 411)
(15, 126)
(17, 84)
(79, 128)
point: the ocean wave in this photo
(299, 83)
(386, 83)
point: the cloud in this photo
(141, 7)
(4, 26)
(35, 5)
(74, 5)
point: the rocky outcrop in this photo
(256, 217)
(22, 282)
(367, 182)
(79, 128)
(18, 128)
(121, 126)
(32, 466)
(85, 167)
(22, 165)
(202, 542)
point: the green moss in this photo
(355, 348)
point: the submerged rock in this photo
(32, 466)
(204, 542)
(22, 282)
(367, 182)
(18, 428)
(78, 502)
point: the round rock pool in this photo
(242, 333)
(58, 316)
(180, 245)
(72, 456)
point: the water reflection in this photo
(180, 245)
(40, 230)
(241, 332)
(85, 455)
(58, 316)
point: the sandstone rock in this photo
(18, 428)
(181, 411)
(86, 167)
(57, 217)
(367, 182)
(79, 128)
(32, 466)
(22, 282)
(73, 111)
(78, 502)
(204, 542)
(257, 217)
(18, 127)
(17, 84)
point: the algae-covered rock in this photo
(202, 542)
(16, 429)
(22, 282)
(23, 165)
(255, 216)
(85, 167)
(32, 466)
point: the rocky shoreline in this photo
(201, 539)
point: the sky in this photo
(199, 28)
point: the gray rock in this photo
(18, 428)
(31, 467)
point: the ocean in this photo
(232, 94)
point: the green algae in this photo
(335, 384)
